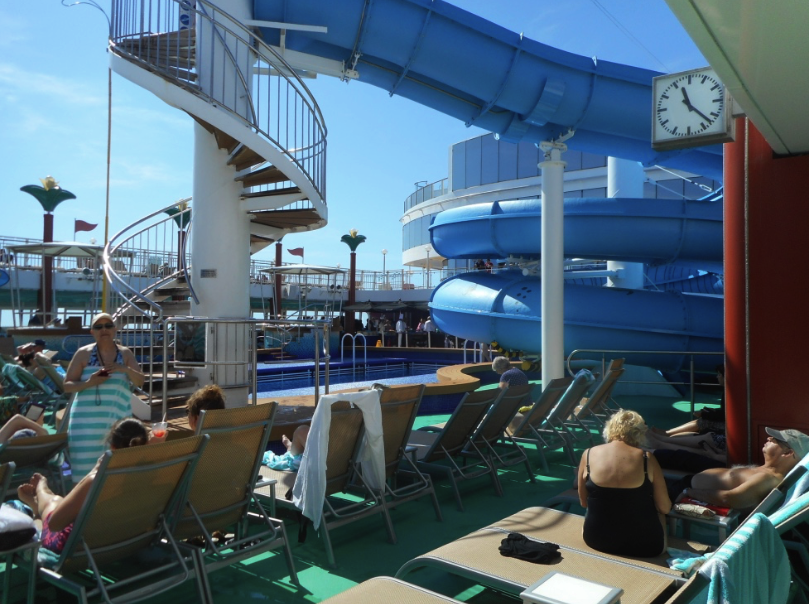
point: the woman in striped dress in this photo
(100, 374)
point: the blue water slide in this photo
(652, 231)
(464, 66)
(506, 307)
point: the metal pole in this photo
(692, 384)
(552, 263)
(165, 367)
(255, 364)
(317, 364)
(326, 356)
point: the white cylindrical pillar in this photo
(625, 179)
(220, 246)
(220, 261)
(552, 263)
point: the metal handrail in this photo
(354, 339)
(118, 283)
(691, 383)
(208, 362)
(302, 139)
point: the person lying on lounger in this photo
(205, 399)
(744, 487)
(291, 460)
(58, 513)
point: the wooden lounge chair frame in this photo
(128, 509)
(342, 476)
(220, 493)
(400, 405)
(452, 443)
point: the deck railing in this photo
(174, 37)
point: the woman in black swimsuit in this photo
(623, 490)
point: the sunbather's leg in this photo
(702, 444)
(298, 443)
(19, 422)
(684, 429)
(37, 495)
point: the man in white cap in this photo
(401, 328)
(744, 487)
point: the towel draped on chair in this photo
(310, 485)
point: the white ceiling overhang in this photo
(760, 50)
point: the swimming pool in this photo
(297, 378)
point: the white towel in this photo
(310, 485)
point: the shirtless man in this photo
(744, 487)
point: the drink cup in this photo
(159, 429)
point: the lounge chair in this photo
(22, 555)
(491, 436)
(36, 454)
(544, 427)
(476, 556)
(128, 511)
(342, 475)
(591, 413)
(388, 589)
(399, 405)
(220, 493)
(448, 450)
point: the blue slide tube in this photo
(464, 66)
(651, 231)
(506, 307)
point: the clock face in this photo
(689, 109)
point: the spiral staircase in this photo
(265, 122)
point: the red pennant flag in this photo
(298, 251)
(80, 225)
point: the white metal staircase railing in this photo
(146, 264)
(280, 159)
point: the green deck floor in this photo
(362, 550)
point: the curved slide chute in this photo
(506, 307)
(652, 231)
(464, 66)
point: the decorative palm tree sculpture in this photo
(352, 240)
(181, 213)
(49, 195)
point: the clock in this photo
(690, 109)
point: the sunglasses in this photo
(100, 326)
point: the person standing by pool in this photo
(101, 375)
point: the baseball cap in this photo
(99, 316)
(795, 440)
(40, 342)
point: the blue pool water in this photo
(294, 379)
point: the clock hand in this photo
(686, 100)
(698, 112)
(687, 103)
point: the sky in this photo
(53, 121)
